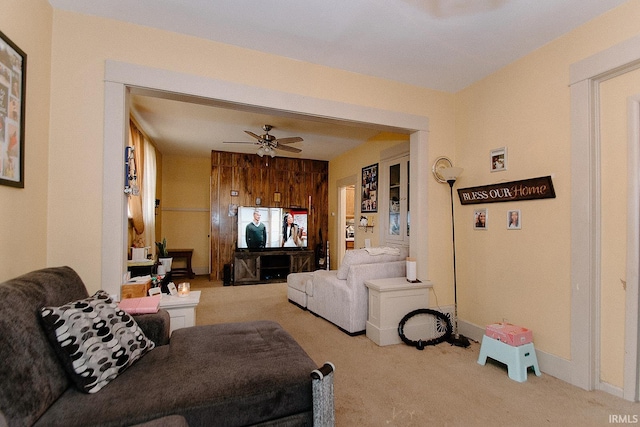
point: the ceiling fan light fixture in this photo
(268, 144)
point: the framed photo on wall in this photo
(480, 219)
(514, 219)
(499, 159)
(369, 189)
(13, 67)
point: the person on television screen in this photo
(256, 232)
(290, 233)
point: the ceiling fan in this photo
(269, 143)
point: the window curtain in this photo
(136, 140)
(149, 195)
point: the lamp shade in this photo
(451, 174)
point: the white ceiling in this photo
(438, 44)
(194, 127)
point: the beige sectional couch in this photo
(340, 296)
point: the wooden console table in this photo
(251, 267)
(182, 254)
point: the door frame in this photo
(121, 78)
(341, 187)
(631, 388)
(585, 78)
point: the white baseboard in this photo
(611, 389)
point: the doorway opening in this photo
(346, 216)
(346, 220)
(122, 78)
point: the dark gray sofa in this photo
(232, 374)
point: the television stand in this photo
(251, 267)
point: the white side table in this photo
(182, 310)
(389, 301)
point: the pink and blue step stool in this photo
(518, 359)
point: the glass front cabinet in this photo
(395, 205)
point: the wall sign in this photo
(527, 189)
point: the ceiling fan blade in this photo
(240, 142)
(290, 140)
(253, 135)
(287, 148)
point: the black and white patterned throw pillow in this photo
(95, 340)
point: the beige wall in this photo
(77, 121)
(23, 212)
(185, 206)
(524, 276)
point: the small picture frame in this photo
(498, 159)
(155, 291)
(480, 217)
(172, 289)
(514, 219)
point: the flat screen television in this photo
(278, 228)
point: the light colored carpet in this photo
(400, 386)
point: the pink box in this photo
(509, 334)
(142, 305)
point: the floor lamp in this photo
(450, 174)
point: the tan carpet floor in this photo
(400, 386)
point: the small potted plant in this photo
(163, 255)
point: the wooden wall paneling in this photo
(248, 183)
(302, 187)
(214, 231)
(298, 189)
(225, 159)
(227, 224)
(239, 160)
(279, 181)
(312, 227)
(223, 227)
(267, 187)
(279, 163)
(320, 205)
(252, 176)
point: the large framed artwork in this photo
(13, 78)
(369, 189)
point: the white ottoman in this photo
(297, 288)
